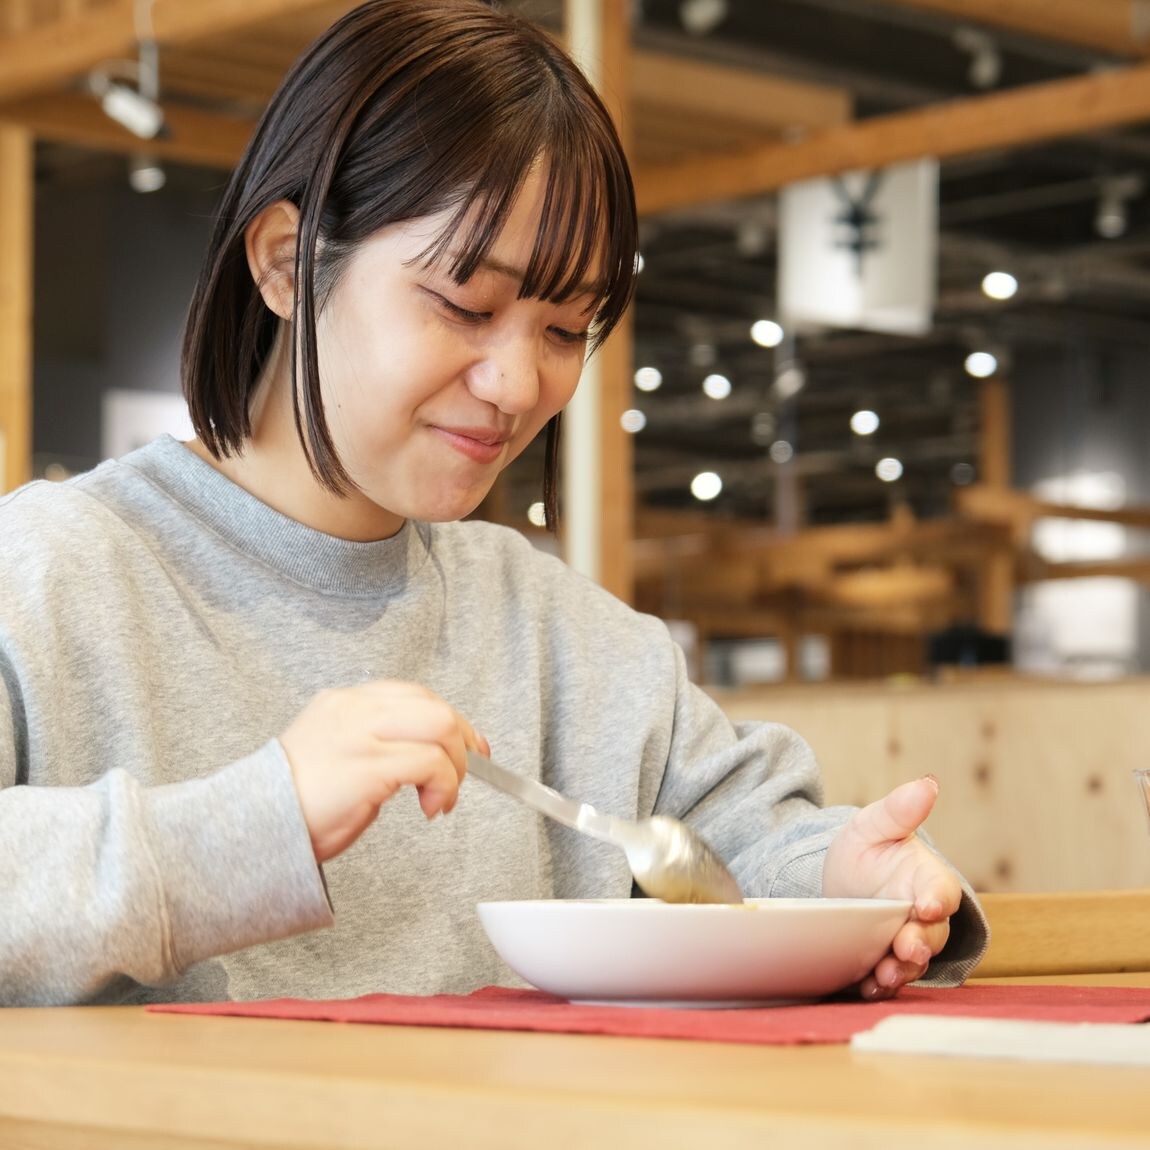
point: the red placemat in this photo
(498, 1008)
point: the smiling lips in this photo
(482, 445)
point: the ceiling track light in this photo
(701, 17)
(985, 58)
(1112, 216)
(135, 105)
(126, 105)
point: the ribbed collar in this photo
(301, 554)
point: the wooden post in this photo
(996, 578)
(598, 482)
(16, 205)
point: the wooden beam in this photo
(48, 55)
(16, 206)
(1117, 26)
(1018, 509)
(195, 137)
(1021, 117)
(755, 100)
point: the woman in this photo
(229, 663)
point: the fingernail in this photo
(920, 953)
(934, 780)
(930, 911)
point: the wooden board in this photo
(1037, 791)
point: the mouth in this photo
(481, 445)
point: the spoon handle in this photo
(543, 799)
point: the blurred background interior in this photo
(874, 439)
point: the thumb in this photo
(899, 814)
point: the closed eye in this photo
(571, 337)
(462, 313)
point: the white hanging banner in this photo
(860, 250)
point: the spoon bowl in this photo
(668, 860)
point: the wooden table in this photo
(118, 1078)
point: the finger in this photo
(421, 705)
(421, 718)
(937, 893)
(920, 942)
(425, 766)
(899, 814)
(889, 976)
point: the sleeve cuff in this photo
(235, 859)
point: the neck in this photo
(273, 467)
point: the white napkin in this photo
(1124, 1043)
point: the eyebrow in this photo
(498, 266)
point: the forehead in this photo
(547, 234)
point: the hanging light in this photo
(781, 451)
(864, 422)
(536, 515)
(889, 469)
(632, 420)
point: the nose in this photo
(507, 375)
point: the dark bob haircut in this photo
(401, 110)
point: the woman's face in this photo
(430, 388)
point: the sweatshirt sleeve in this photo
(117, 880)
(753, 790)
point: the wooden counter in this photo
(117, 1078)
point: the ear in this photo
(270, 242)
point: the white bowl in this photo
(643, 951)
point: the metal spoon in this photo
(669, 861)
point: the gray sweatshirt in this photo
(159, 626)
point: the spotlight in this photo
(1110, 220)
(864, 422)
(706, 485)
(985, 59)
(699, 17)
(888, 470)
(536, 515)
(790, 381)
(766, 333)
(763, 428)
(145, 174)
(781, 451)
(999, 285)
(717, 386)
(633, 420)
(981, 364)
(1112, 217)
(648, 379)
(701, 354)
(140, 115)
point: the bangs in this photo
(586, 240)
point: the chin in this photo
(443, 511)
